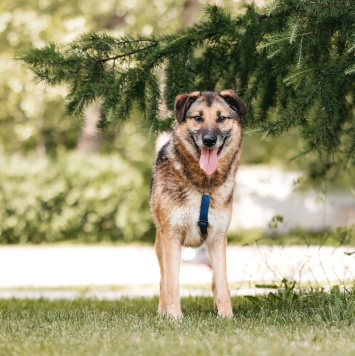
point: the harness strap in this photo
(203, 221)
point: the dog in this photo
(195, 172)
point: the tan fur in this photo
(179, 183)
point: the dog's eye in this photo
(221, 119)
(198, 118)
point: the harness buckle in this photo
(203, 223)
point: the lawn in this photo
(284, 323)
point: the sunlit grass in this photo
(284, 323)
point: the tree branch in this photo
(103, 60)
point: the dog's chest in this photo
(184, 219)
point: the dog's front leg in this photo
(217, 251)
(159, 253)
(171, 257)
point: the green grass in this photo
(285, 323)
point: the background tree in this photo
(47, 191)
(293, 63)
(31, 115)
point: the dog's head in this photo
(209, 123)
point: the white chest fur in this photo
(184, 220)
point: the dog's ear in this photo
(182, 104)
(234, 102)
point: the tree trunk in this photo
(258, 3)
(190, 16)
(191, 11)
(88, 141)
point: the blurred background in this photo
(61, 180)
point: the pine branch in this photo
(127, 54)
(293, 64)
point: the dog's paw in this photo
(171, 315)
(161, 309)
(228, 314)
(174, 315)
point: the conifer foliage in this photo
(293, 63)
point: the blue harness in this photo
(203, 221)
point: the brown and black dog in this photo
(201, 158)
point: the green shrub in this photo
(88, 198)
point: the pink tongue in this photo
(209, 160)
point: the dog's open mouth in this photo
(208, 156)
(198, 149)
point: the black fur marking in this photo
(190, 176)
(198, 150)
(235, 103)
(151, 184)
(234, 107)
(209, 99)
(226, 134)
(179, 156)
(187, 106)
(230, 197)
(225, 138)
(207, 131)
(162, 156)
(185, 164)
(182, 195)
(230, 165)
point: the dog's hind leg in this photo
(217, 251)
(171, 257)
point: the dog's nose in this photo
(209, 140)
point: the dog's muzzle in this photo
(209, 140)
